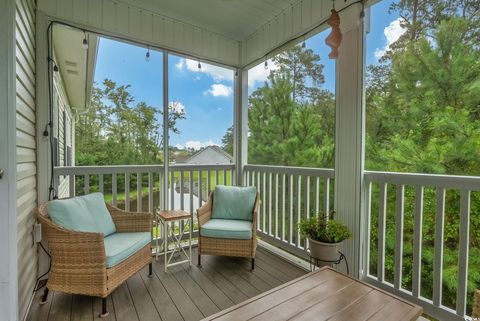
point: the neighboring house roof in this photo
(210, 155)
(76, 64)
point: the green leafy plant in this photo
(321, 229)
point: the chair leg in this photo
(44, 297)
(104, 313)
(199, 260)
(253, 264)
(150, 272)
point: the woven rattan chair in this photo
(226, 246)
(78, 260)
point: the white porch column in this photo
(350, 131)
(8, 204)
(240, 140)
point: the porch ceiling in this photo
(236, 19)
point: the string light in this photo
(266, 65)
(199, 65)
(304, 44)
(147, 55)
(85, 41)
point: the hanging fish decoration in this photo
(335, 37)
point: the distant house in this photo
(210, 155)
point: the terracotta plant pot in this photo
(324, 251)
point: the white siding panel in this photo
(139, 24)
(25, 140)
(26, 150)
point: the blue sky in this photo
(206, 94)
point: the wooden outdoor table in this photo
(321, 295)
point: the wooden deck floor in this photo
(184, 293)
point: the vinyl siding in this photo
(26, 151)
(62, 130)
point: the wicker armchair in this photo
(226, 246)
(78, 260)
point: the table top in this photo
(321, 295)
(173, 215)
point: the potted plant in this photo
(325, 236)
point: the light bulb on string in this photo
(147, 55)
(85, 41)
(199, 66)
(304, 44)
(266, 65)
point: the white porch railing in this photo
(288, 194)
(421, 197)
(140, 187)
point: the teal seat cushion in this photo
(120, 246)
(83, 213)
(233, 202)
(227, 229)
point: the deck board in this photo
(184, 293)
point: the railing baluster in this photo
(150, 192)
(317, 195)
(326, 197)
(464, 239)
(71, 184)
(438, 250)
(161, 190)
(200, 188)
(172, 189)
(86, 184)
(417, 242)
(100, 183)
(283, 206)
(290, 234)
(270, 201)
(182, 195)
(259, 192)
(307, 196)
(382, 214)
(208, 182)
(368, 207)
(127, 192)
(139, 192)
(400, 199)
(299, 207)
(190, 189)
(276, 205)
(264, 201)
(114, 189)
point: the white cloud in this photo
(219, 90)
(217, 73)
(392, 32)
(180, 64)
(177, 107)
(259, 73)
(195, 144)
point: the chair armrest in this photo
(204, 213)
(255, 215)
(130, 221)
